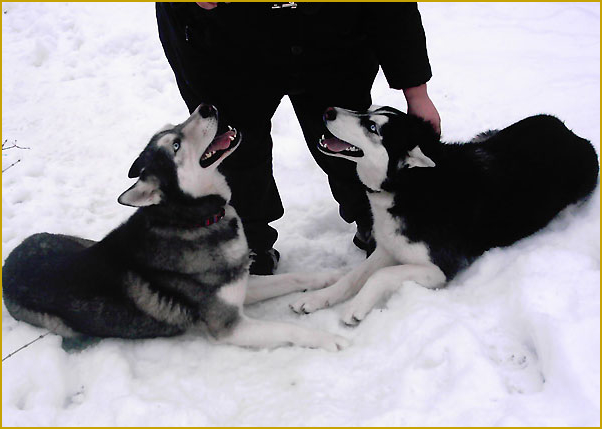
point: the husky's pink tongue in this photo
(336, 145)
(222, 141)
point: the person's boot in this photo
(364, 240)
(264, 262)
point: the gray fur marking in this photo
(152, 303)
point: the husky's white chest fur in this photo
(388, 232)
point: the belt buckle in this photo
(290, 4)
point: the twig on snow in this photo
(12, 146)
(26, 345)
(12, 165)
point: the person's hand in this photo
(419, 104)
(207, 5)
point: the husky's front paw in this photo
(311, 302)
(333, 343)
(353, 314)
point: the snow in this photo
(513, 341)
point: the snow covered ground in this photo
(515, 340)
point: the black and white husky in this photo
(179, 263)
(437, 207)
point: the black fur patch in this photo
(493, 192)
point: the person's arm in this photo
(400, 45)
(420, 104)
(397, 35)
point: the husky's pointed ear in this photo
(416, 158)
(144, 193)
(137, 167)
(145, 156)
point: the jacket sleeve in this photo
(396, 32)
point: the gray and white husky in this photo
(179, 263)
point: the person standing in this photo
(245, 57)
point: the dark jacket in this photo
(298, 48)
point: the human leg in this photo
(244, 102)
(345, 186)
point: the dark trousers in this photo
(248, 102)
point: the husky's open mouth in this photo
(222, 143)
(333, 145)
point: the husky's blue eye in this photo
(176, 145)
(373, 128)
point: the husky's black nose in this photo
(330, 114)
(206, 110)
